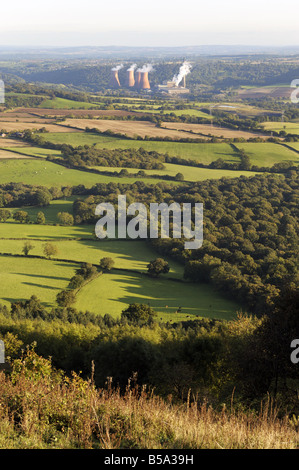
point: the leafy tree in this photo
(4, 215)
(65, 218)
(107, 264)
(40, 218)
(139, 314)
(21, 216)
(65, 298)
(179, 177)
(157, 267)
(27, 248)
(43, 197)
(50, 250)
(76, 281)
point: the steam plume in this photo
(132, 68)
(118, 67)
(146, 68)
(184, 70)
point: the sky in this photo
(149, 22)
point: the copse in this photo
(157, 267)
(139, 314)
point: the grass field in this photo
(204, 153)
(267, 154)
(38, 172)
(110, 293)
(127, 254)
(288, 127)
(113, 292)
(49, 211)
(21, 278)
(45, 232)
(190, 173)
(62, 103)
(21, 152)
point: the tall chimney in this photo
(130, 78)
(144, 83)
(138, 78)
(114, 81)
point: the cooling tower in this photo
(144, 83)
(137, 82)
(130, 78)
(114, 81)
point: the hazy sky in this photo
(149, 22)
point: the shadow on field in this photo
(169, 296)
(43, 276)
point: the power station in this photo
(139, 80)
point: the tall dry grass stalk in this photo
(61, 412)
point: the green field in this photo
(33, 151)
(288, 127)
(204, 153)
(50, 211)
(109, 293)
(267, 154)
(44, 232)
(113, 292)
(38, 172)
(62, 103)
(21, 278)
(190, 173)
(127, 254)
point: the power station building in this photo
(139, 81)
(171, 88)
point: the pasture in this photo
(191, 174)
(267, 154)
(20, 278)
(172, 300)
(202, 152)
(288, 127)
(39, 172)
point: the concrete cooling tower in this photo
(114, 80)
(144, 82)
(130, 78)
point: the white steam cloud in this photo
(133, 67)
(146, 68)
(118, 67)
(184, 70)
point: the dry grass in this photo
(42, 409)
(22, 125)
(131, 128)
(206, 129)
